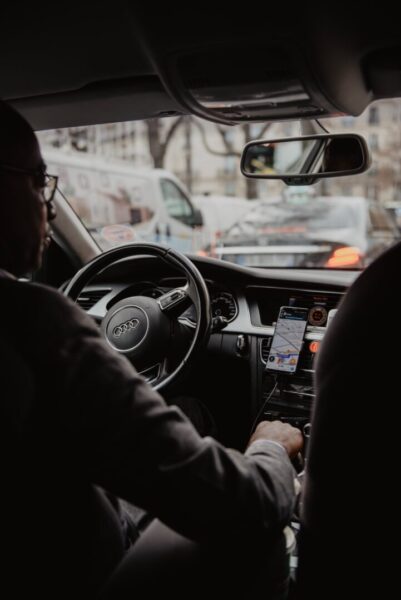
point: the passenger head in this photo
(23, 212)
(342, 154)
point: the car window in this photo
(318, 213)
(176, 203)
(380, 219)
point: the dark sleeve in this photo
(134, 445)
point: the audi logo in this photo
(125, 327)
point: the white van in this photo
(120, 204)
(221, 212)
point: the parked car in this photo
(311, 232)
(220, 212)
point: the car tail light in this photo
(348, 256)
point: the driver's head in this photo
(23, 213)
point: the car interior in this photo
(106, 63)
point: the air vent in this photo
(265, 348)
(89, 298)
(306, 360)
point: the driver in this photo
(77, 419)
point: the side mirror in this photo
(197, 218)
(303, 160)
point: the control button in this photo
(171, 298)
(307, 430)
(317, 316)
(241, 345)
(271, 415)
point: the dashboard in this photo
(241, 387)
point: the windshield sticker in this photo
(118, 233)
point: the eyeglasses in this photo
(47, 182)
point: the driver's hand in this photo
(275, 431)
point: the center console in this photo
(288, 397)
(285, 377)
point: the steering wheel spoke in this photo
(175, 301)
(157, 372)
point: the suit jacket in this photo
(76, 417)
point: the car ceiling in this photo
(78, 64)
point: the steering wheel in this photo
(145, 329)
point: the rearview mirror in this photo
(303, 160)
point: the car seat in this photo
(349, 516)
(164, 562)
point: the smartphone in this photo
(287, 339)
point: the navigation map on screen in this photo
(287, 339)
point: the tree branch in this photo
(264, 129)
(172, 130)
(226, 142)
(208, 148)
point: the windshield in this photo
(177, 181)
